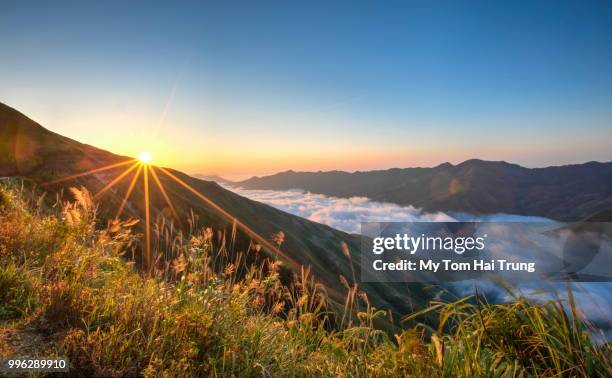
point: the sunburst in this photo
(142, 167)
(145, 157)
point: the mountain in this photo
(28, 150)
(566, 193)
(215, 178)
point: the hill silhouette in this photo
(567, 193)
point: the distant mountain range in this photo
(567, 193)
(214, 178)
(28, 150)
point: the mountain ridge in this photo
(568, 192)
(441, 165)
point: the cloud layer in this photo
(344, 214)
(347, 214)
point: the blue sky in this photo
(240, 88)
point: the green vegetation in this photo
(207, 312)
(17, 297)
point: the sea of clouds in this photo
(346, 214)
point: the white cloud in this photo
(345, 214)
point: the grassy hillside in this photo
(29, 150)
(68, 289)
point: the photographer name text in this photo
(453, 266)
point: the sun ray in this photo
(92, 171)
(165, 195)
(129, 191)
(147, 258)
(115, 181)
(230, 217)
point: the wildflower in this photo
(179, 264)
(345, 249)
(83, 198)
(277, 308)
(273, 266)
(229, 269)
(278, 238)
(258, 301)
(344, 282)
(208, 234)
(303, 300)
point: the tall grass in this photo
(521, 338)
(211, 308)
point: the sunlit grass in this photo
(205, 310)
(142, 164)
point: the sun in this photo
(144, 170)
(145, 157)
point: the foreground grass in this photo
(202, 315)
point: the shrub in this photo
(17, 295)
